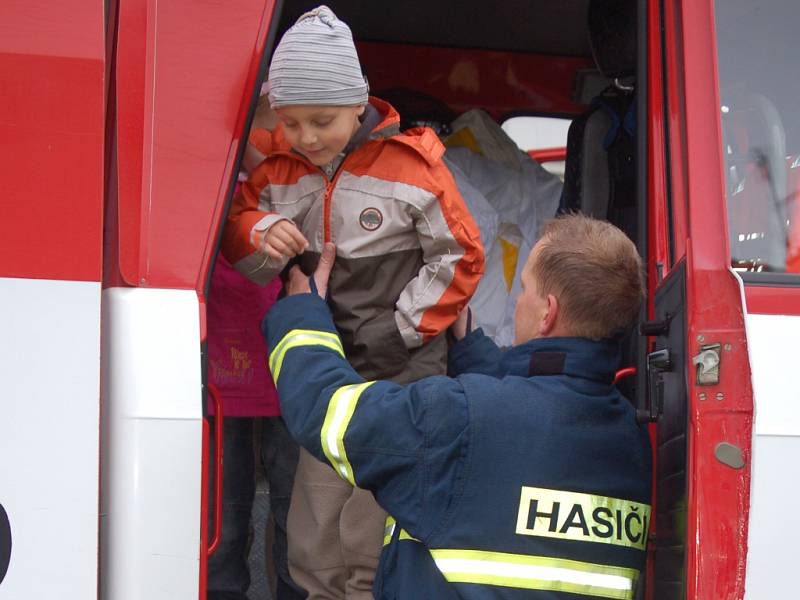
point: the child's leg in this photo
(361, 526)
(228, 576)
(279, 456)
(315, 555)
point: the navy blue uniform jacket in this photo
(526, 476)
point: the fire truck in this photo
(122, 126)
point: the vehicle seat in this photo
(601, 141)
(418, 109)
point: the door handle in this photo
(658, 363)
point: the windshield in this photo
(758, 45)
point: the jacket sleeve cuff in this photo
(303, 311)
(473, 350)
(260, 229)
(476, 337)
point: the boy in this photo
(408, 260)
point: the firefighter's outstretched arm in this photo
(403, 443)
(474, 352)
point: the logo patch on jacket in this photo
(370, 218)
(582, 517)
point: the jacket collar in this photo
(577, 357)
(389, 124)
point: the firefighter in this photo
(525, 475)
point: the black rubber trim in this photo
(770, 279)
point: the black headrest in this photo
(418, 109)
(612, 33)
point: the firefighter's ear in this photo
(549, 318)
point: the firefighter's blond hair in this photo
(594, 271)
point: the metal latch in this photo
(657, 363)
(706, 365)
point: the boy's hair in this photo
(594, 271)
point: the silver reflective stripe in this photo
(341, 407)
(388, 530)
(536, 573)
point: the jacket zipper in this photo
(329, 187)
(326, 222)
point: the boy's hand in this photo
(300, 284)
(284, 239)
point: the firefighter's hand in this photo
(462, 325)
(284, 239)
(300, 284)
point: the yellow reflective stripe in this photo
(301, 337)
(388, 530)
(582, 517)
(341, 407)
(404, 535)
(536, 573)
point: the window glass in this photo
(536, 133)
(539, 133)
(758, 45)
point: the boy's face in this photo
(319, 133)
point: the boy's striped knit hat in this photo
(316, 63)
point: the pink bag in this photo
(237, 354)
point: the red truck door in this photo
(699, 376)
(184, 76)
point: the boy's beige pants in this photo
(335, 534)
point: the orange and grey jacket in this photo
(409, 255)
